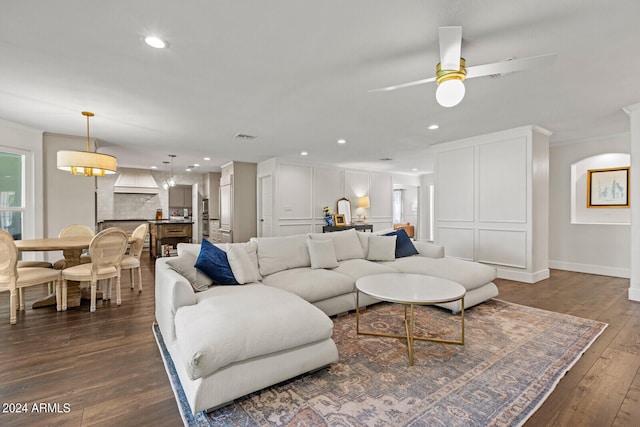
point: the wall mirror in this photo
(344, 208)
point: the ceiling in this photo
(296, 74)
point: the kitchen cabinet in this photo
(180, 196)
(238, 216)
(168, 233)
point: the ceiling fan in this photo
(452, 70)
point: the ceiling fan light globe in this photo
(450, 92)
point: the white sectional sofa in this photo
(228, 341)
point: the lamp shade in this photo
(86, 163)
(363, 202)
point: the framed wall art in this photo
(608, 188)
(339, 220)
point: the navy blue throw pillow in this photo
(213, 262)
(404, 247)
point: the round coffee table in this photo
(410, 290)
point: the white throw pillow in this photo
(241, 265)
(382, 248)
(322, 254)
(281, 253)
(345, 243)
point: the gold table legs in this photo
(409, 322)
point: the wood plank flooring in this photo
(104, 368)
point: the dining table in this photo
(71, 248)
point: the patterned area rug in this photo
(512, 359)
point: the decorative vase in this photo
(328, 220)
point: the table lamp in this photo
(363, 204)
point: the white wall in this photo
(29, 142)
(589, 248)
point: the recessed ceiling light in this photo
(154, 167)
(433, 126)
(206, 158)
(342, 141)
(188, 169)
(415, 169)
(155, 42)
(304, 153)
(196, 165)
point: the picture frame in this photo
(339, 220)
(608, 188)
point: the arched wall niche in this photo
(580, 214)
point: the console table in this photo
(358, 227)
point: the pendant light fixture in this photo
(87, 163)
(172, 180)
(165, 185)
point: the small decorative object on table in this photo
(328, 215)
(339, 220)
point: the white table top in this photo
(410, 288)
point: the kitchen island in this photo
(164, 236)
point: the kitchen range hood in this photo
(136, 182)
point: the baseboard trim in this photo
(520, 276)
(601, 270)
(634, 294)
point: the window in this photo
(397, 206)
(12, 200)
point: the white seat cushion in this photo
(83, 272)
(357, 268)
(469, 274)
(129, 261)
(311, 284)
(237, 323)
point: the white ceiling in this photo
(296, 74)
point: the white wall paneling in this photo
(455, 184)
(295, 189)
(495, 187)
(503, 247)
(327, 183)
(502, 186)
(458, 242)
(300, 191)
(293, 228)
(380, 196)
(356, 184)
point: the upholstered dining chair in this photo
(106, 250)
(14, 279)
(74, 230)
(131, 261)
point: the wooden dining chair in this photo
(106, 250)
(74, 230)
(14, 279)
(131, 261)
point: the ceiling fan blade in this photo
(403, 85)
(510, 66)
(450, 47)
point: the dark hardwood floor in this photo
(104, 368)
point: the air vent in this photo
(386, 159)
(244, 136)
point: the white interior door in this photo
(225, 207)
(265, 207)
(195, 213)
